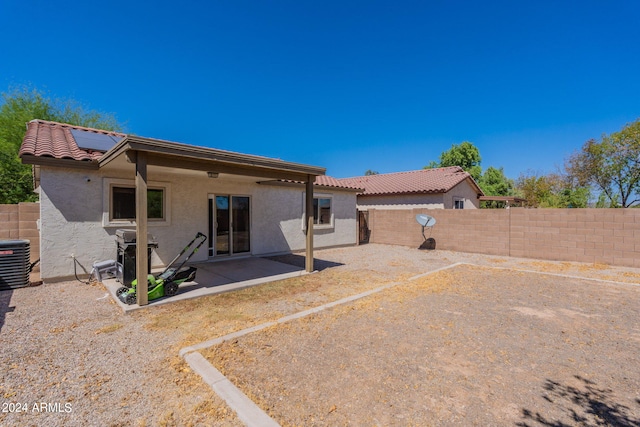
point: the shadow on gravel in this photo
(299, 261)
(590, 406)
(5, 300)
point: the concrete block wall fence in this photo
(21, 222)
(607, 236)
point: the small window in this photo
(321, 210)
(155, 204)
(458, 204)
(123, 203)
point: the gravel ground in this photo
(463, 347)
(69, 347)
(398, 262)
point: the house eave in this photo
(166, 153)
(29, 159)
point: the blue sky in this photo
(348, 85)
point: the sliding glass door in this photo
(222, 226)
(241, 224)
(229, 225)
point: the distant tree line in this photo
(603, 173)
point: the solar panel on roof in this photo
(88, 140)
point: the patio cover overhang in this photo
(144, 152)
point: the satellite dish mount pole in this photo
(425, 221)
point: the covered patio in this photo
(219, 277)
(146, 152)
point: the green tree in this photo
(466, 155)
(493, 182)
(611, 165)
(572, 194)
(604, 202)
(370, 172)
(16, 182)
(432, 165)
(551, 191)
(536, 190)
(20, 105)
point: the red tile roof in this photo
(52, 139)
(55, 140)
(322, 181)
(437, 180)
(329, 181)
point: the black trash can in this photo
(126, 255)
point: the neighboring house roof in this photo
(55, 140)
(436, 180)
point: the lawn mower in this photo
(166, 283)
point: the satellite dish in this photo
(425, 220)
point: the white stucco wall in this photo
(71, 222)
(288, 207)
(74, 202)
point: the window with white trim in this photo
(119, 203)
(322, 210)
(458, 203)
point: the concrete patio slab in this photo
(218, 277)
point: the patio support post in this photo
(309, 222)
(142, 258)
